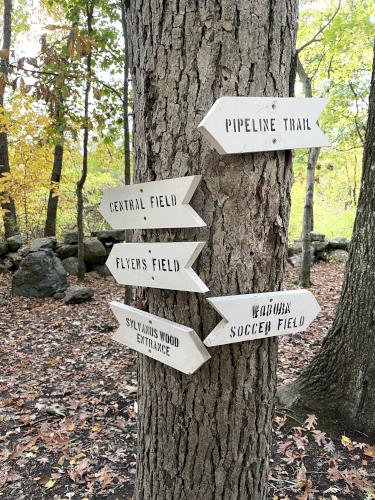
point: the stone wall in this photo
(331, 250)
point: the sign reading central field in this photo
(157, 265)
(261, 315)
(152, 205)
(250, 124)
(174, 345)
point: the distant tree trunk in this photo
(340, 381)
(308, 211)
(53, 199)
(207, 436)
(127, 163)
(10, 216)
(82, 180)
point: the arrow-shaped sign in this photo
(152, 205)
(174, 345)
(250, 124)
(261, 315)
(157, 265)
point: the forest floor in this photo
(68, 406)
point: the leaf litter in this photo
(68, 408)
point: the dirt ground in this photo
(68, 406)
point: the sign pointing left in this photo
(170, 343)
(262, 315)
(157, 265)
(152, 205)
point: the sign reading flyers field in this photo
(251, 124)
(157, 265)
(174, 345)
(152, 205)
(261, 315)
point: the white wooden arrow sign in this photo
(157, 265)
(250, 124)
(174, 345)
(261, 315)
(152, 205)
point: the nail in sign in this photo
(152, 205)
(251, 124)
(262, 315)
(170, 343)
(157, 265)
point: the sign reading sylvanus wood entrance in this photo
(157, 265)
(174, 345)
(251, 124)
(261, 315)
(152, 205)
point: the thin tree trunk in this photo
(308, 210)
(340, 381)
(82, 180)
(9, 207)
(207, 436)
(128, 297)
(53, 199)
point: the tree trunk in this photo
(308, 210)
(207, 436)
(128, 296)
(9, 207)
(82, 180)
(53, 199)
(340, 380)
(308, 218)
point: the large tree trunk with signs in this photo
(340, 381)
(207, 436)
(7, 205)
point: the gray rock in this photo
(110, 236)
(94, 251)
(3, 248)
(317, 236)
(321, 256)
(338, 256)
(294, 248)
(338, 244)
(71, 238)
(77, 294)
(16, 242)
(320, 246)
(5, 266)
(65, 251)
(296, 260)
(59, 295)
(71, 265)
(15, 259)
(102, 270)
(40, 274)
(42, 243)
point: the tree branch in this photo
(320, 31)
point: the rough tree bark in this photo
(207, 436)
(86, 126)
(340, 381)
(308, 210)
(53, 199)
(128, 296)
(9, 207)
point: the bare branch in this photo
(320, 31)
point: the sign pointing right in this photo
(251, 124)
(262, 315)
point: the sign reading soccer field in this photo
(157, 265)
(251, 124)
(174, 345)
(152, 205)
(261, 315)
